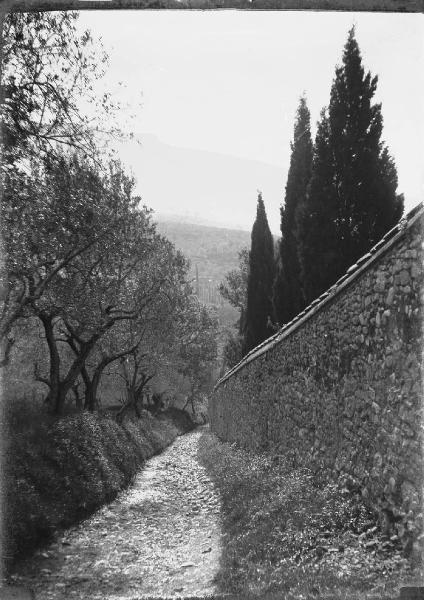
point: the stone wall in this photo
(340, 388)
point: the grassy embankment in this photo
(59, 471)
(286, 534)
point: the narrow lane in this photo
(161, 537)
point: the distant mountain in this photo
(202, 186)
(192, 219)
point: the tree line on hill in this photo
(85, 271)
(340, 199)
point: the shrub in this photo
(59, 471)
(286, 533)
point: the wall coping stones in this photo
(353, 272)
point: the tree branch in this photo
(39, 377)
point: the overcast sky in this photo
(229, 81)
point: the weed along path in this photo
(161, 537)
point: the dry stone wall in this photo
(340, 390)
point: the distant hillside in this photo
(214, 252)
(213, 187)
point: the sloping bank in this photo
(64, 471)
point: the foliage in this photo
(62, 470)
(212, 253)
(47, 71)
(213, 250)
(92, 275)
(175, 353)
(233, 350)
(288, 297)
(47, 80)
(153, 354)
(51, 215)
(84, 258)
(352, 199)
(198, 351)
(318, 239)
(286, 534)
(82, 254)
(234, 289)
(259, 309)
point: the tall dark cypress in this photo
(354, 180)
(318, 235)
(259, 284)
(288, 295)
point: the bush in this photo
(285, 533)
(59, 471)
(179, 419)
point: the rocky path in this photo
(161, 537)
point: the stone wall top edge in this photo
(359, 268)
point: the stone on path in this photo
(11, 592)
(159, 538)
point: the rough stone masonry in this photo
(339, 389)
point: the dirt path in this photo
(161, 537)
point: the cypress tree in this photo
(352, 201)
(278, 288)
(318, 235)
(259, 283)
(288, 296)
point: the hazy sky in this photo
(229, 81)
